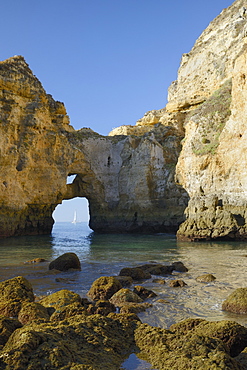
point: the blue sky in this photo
(109, 61)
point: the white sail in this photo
(75, 219)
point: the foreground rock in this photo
(65, 262)
(13, 293)
(64, 331)
(192, 344)
(236, 302)
(104, 287)
(95, 342)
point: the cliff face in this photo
(192, 153)
(208, 101)
(129, 181)
(212, 164)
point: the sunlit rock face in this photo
(129, 181)
(182, 167)
(212, 164)
(208, 102)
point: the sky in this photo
(109, 61)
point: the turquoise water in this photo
(107, 254)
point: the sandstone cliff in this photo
(208, 101)
(190, 154)
(128, 181)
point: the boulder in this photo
(101, 307)
(65, 262)
(236, 302)
(136, 273)
(72, 309)
(13, 293)
(206, 278)
(7, 327)
(179, 266)
(56, 301)
(232, 334)
(125, 281)
(177, 283)
(143, 293)
(157, 269)
(125, 295)
(192, 344)
(32, 311)
(79, 342)
(104, 287)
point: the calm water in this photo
(107, 254)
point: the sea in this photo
(107, 254)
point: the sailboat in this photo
(75, 219)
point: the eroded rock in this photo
(104, 287)
(236, 302)
(65, 262)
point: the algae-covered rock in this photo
(236, 302)
(136, 273)
(143, 293)
(198, 350)
(60, 299)
(125, 281)
(7, 327)
(65, 262)
(101, 307)
(32, 311)
(232, 334)
(12, 293)
(17, 288)
(157, 269)
(206, 278)
(78, 342)
(125, 295)
(104, 287)
(131, 307)
(72, 309)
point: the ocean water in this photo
(106, 254)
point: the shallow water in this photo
(107, 254)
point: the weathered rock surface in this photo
(236, 302)
(128, 180)
(104, 287)
(13, 293)
(192, 344)
(140, 178)
(90, 336)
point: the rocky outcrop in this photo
(128, 180)
(189, 155)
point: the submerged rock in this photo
(177, 283)
(144, 293)
(65, 262)
(206, 278)
(136, 273)
(236, 302)
(104, 287)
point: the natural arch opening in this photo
(66, 211)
